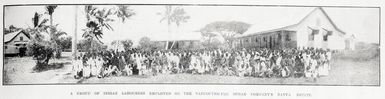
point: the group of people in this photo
(309, 63)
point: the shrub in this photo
(42, 52)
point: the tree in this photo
(53, 31)
(49, 10)
(39, 27)
(127, 44)
(207, 33)
(84, 46)
(11, 29)
(65, 42)
(227, 30)
(121, 45)
(146, 44)
(40, 49)
(172, 15)
(98, 19)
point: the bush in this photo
(42, 52)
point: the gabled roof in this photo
(330, 20)
(10, 36)
(288, 26)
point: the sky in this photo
(361, 22)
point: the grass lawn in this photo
(344, 71)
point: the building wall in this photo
(13, 48)
(318, 21)
(300, 35)
(274, 40)
(18, 40)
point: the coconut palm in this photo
(50, 9)
(53, 31)
(39, 26)
(98, 19)
(38, 47)
(172, 15)
(124, 12)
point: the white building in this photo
(15, 42)
(315, 30)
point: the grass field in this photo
(345, 71)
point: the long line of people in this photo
(309, 63)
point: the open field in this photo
(344, 71)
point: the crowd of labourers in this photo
(266, 63)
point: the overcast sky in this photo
(362, 22)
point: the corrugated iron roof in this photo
(8, 37)
(286, 23)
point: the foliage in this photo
(122, 44)
(39, 47)
(49, 10)
(11, 29)
(146, 44)
(65, 42)
(38, 28)
(90, 45)
(41, 51)
(97, 19)
(124, 12)
(213, 44)
(175, 15)
(228, 30)
(127, 43)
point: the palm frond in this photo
(50, 9)
(42, 23)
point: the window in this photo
(326, 36)
(256, 39)
(279, 36)
(311, 36)
(5, 47)
(288, 37)
(21, 38)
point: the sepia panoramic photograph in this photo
(191, 44)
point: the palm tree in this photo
(54, 33)
(98, 19)
(175, 15)
(124, 12)
(38, 27)
(40, 49)
(50, 9)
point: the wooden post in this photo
(74, 39)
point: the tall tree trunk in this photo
(74, 39)
(173, 41)
(172, 44)
(92, 46)
(50, 18)
(168, 30)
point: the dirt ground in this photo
(344, 72)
